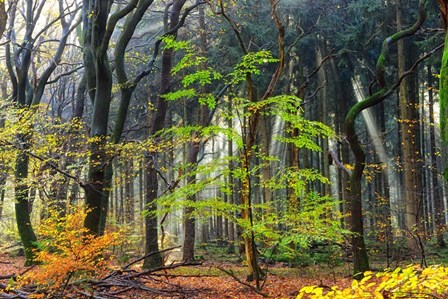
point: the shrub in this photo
(67, 252)
(410, 282)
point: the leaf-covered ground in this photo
(206, 281)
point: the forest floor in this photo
(219, 275)
(208, 281)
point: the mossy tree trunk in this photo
(444, 94)
(22, 207)
(27, 96)
(360, 258)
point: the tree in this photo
(444, 87)
(98, 26)
(437, 190)
(250, 137)
(157, 123)
(409, 121)
(19, 55)
(199, 114)
(3, 17)
(360, 258)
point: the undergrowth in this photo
(67, 253)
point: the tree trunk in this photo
(158, 123)
(151, 235)
(230, 180)
(360, 258)
(129, 190)
(189, 226)
(436, 186)
(95, 188)
(3, 17)
(22, 207)
(410, 142)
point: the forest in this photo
(223, 149)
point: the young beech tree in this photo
(253, 122)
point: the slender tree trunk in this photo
(129, 190)
(230, 180)
(189, 226)
(158, 124)
(410, 141)
(3, 170)
(151, 234)
(383, 200)
(3, 17)
(436, 186)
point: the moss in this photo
(444, 97)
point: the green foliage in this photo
(306, 217)
(322, 254)
(444, 99)
(250, 64)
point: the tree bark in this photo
(194, 147)
(360, 262)
(436, 186)
(3, 17)
(443, 93)
(22, 207)
(158, 123)
(410, 141)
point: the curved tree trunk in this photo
(360, 258)
(27, 96)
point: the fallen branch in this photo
(150, 254)
(231, 274)
(161, 268)
(9, 276)
(12, 293)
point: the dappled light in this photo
(223, 149)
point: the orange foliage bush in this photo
(67, 252)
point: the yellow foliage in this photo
(410, 282)
(68, 252)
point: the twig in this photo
(17, 293)
(9, 276)
(231, 274)
(172, 266)
(337, 162)
(150, 254)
